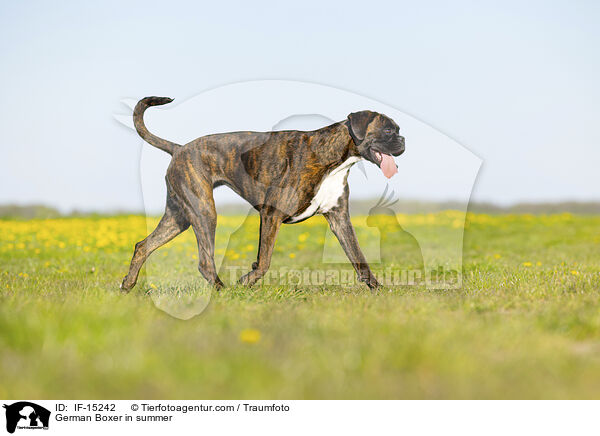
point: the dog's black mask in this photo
(375, 136)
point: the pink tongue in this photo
(388, 165)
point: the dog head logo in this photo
(26, 415)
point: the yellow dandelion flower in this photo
(497, 256)
(303, 237)
(231, 254)
(575, 273)
(527, 264)
(250, 336)
(292, 255)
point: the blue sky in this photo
(514, 82)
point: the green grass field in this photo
(526, 323)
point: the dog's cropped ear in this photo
(359, 122)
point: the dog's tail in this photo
(138, 122)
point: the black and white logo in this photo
(26, 415)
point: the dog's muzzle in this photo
(400, 148)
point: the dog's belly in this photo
(329, 192)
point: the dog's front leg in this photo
(339, 222)
(269, 226)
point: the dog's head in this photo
(377, 139)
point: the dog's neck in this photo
(330, 151)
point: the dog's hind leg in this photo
(171, 224)
(197, 198)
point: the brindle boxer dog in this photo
(288, 176)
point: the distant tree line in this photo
(357, 207)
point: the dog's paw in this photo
(218, 284)
(124, 287)
(247, 279)
(244, 279)
(372, 283)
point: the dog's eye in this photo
(388, 131)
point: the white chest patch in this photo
(329, 192)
